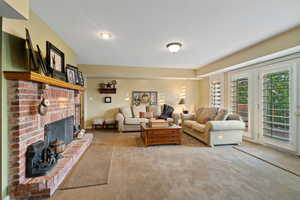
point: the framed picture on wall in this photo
(107, 99)
(55, 58)
(144, 98)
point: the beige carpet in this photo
(288, 162)
(92, 169)
(189, 172)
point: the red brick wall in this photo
(26, 125)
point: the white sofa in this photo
(128, 118)
(215, 131)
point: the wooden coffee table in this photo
(155, 136)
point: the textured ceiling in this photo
(208, 29)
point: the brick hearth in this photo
(26, 126)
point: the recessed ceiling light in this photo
(174, 47)
(105, 35)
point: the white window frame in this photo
(217, 78)
(254, 94)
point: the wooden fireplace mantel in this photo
(35, 77)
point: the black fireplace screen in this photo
(62, 130)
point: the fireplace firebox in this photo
(43, 155)
(40, 158)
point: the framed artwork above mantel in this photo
(55, 58)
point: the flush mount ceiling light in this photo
(174, 47)
(105, 35)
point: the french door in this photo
(265, 96)
(277, 118)
(240, 99)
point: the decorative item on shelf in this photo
(144, 97)
(108, 88)
(42, 62)
(114, 83)
(182, 103)
(102, 85)
(81, 79)
(33, 65)
(75, 69)
(71, 75)
(55, 61)
(55, 58)
(107, 99)
(108, 85)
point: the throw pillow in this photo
(137, 109)
(167, 112)
(221, 114)
(155, 109)
(147, 115)
(126, 111)
(233, 117)
(211, 113)
(204, 120)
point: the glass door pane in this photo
(240, 98)
(276, 105)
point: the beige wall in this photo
(277, 43)
(169, 91)
(204, 91)
(40, 33)
(135, 72)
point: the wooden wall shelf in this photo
(107, 90)
(35, 77)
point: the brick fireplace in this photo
(26, 126)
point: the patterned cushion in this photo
(198, 112)
(126, 111)
(135, 121)
(137, 109)
(204, 120)
(221, 114)
(189, 123)
(147, 115)
(209, 113)
(155, 109)
(199, 127)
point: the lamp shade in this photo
(182, 101)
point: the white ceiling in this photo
(208, 29)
